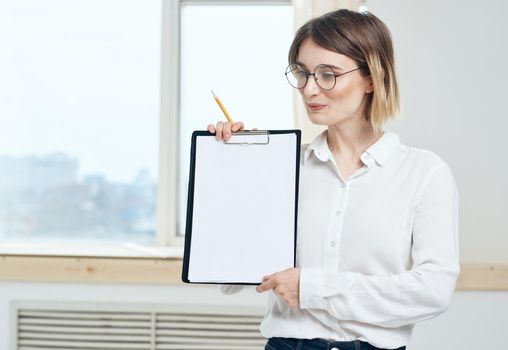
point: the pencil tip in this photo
(213, 93)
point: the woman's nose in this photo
(311, 88)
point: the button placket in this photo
(339, 211)
(335, 232)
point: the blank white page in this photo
(244, 200)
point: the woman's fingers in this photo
(237, 126)
(218, 128)
(267, 285)
(226, 131)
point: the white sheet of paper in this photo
(243, 223)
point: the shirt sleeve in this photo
(399, 299)
(230, 289)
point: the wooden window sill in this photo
(88, 262)
(90, 269)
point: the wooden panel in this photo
(481, 277)
(90, 270)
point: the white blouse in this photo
(377, 251)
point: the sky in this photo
(83, 77)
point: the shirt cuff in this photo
(320, 289)
(311, 285)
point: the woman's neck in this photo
(350, 140)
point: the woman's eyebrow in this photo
(329, 65)
(334, 66)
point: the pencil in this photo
(222, 108)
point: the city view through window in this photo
(79, 120)
(42, 197)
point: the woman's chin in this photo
(319, 118)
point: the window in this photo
(79, 106)
(239, 51)
(86, 88)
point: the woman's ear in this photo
(370, 85)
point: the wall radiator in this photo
(106, 326)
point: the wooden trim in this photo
(90, 269)
(483, 277)
(473, 277)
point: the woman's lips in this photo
(315, 106)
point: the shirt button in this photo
(338, 212)
(332, 244)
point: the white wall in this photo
(452, 62)
(475, 320)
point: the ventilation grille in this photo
(93, 327)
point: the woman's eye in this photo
(327, 76)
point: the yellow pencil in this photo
(222, 107)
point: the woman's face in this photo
(342, 103)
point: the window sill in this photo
(89, 249)
(80, 262)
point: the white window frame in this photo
(167, 202)
(167, 195)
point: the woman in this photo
(377, 243)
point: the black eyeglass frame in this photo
(307, 74)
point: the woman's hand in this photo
(285, 283)
(223, 130)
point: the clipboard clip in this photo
(251, 137)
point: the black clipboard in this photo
(242, 206)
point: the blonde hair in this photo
(366, 39)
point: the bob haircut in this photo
(366, 39)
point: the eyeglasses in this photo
(324, 76)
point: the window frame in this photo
(168, 244)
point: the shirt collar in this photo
(320, 148)
(383, 148)
(380, 151)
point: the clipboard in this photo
(242, 206)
